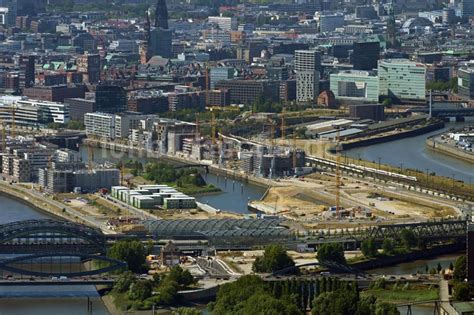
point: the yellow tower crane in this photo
(338, 176)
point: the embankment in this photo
(29, 200)
(444, 148)
(150, 155)
(392, 137)
(385, 261)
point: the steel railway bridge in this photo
(50, 248)
(429, 231)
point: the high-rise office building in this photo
(89, 65)
(402, 79)
(110, 99)
(26, 65)
(365, 55)
(307, 67)
(161, 15)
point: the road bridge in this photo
(56, 282)
(51, 248)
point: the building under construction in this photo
(75, 177)
(270, 164)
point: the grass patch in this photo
(401, 295)
(196, 190)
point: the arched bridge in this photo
(44, 236)
(48, 248)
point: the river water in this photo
(414, 154)
(72, 301)
(234, 197)
(411, 152)
(34, 300)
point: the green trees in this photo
(384, 308)
(460, 266)
(180, 276)
(369, 248)
(264, 303)
(140, 290)
(388, 246)
(186, 311)
(331, 252)
(462, 292)
(130, 251)
(408, 238)
(124, 282)
(347, 302)
(343, 302)
(262, 104)
(75, 124)
(443, 86)
(252, 295)
(387, 102)
(274, 258)
(166, 173)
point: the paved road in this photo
(74, 213)
(444, 297)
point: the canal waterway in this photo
(413, 153)
(234, 197)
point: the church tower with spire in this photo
(161, 15)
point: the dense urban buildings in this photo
(226, 141)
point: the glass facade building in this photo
(402, 79)
(355, 85)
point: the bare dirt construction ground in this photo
(242, 261)
(194, 214)
(396, 205)
(294, 200)
(305, 198)
(92, 205)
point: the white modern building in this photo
(355, 85)
(224, 23)
(32, 112)
(124, 45)
(307, 66)
(402, 79)
(100, 125)
(50, 111)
